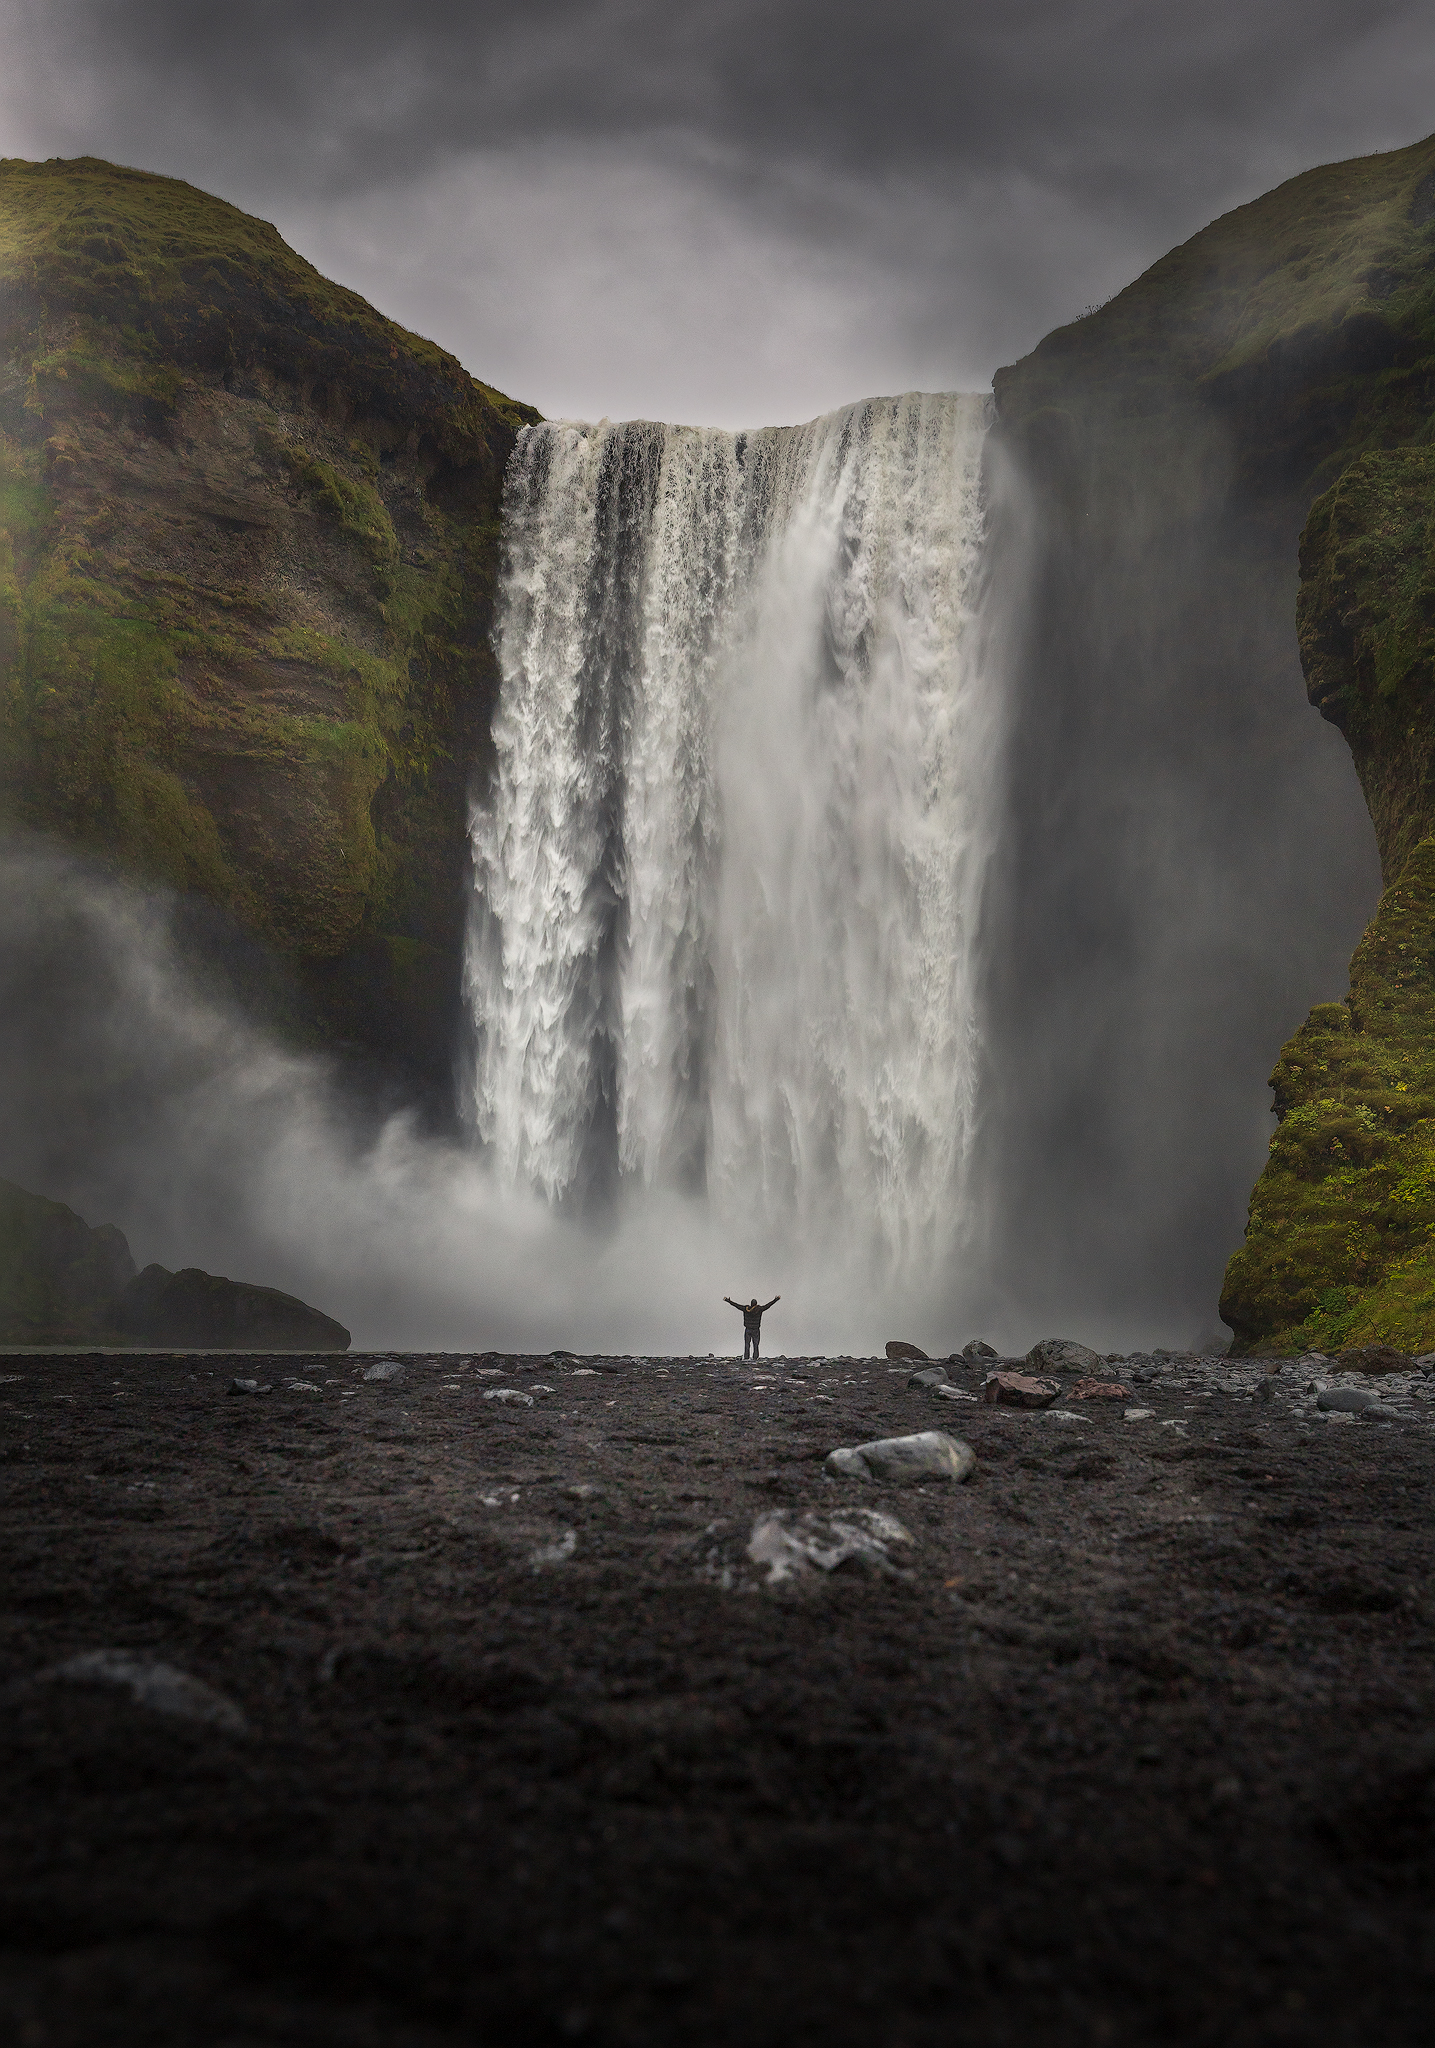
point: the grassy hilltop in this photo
(248, 534)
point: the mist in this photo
(141, 1097)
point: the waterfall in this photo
(728, 874)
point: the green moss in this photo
(248, 541)
(1347, 1201)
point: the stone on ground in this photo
(1346, 1400)
(1063, 1354)
(978, 1347)
(790, 1546)
(1099, 1390)
(162, 1688)
(931, 1454)
(1018, 1390)
(929, 1376)
(898, 1349)
(1374, 1358)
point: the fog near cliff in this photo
(137, 1094)
(732, 214)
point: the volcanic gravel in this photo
(376, 1713)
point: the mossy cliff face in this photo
(248, 539)
(1340, 1246)
(1184, 846)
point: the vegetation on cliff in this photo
(248, 536)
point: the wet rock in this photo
(791, 1546)
(897, 1350)
(1018, 1390)
(929, 1376)
(931, 1454)
(1063, 1355)
(162, 1688)
(384, 1369)
(1098, 1390)
(978, 1347)
(1374, 1358)
(1345, 1400)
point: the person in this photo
(752, 1313)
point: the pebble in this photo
(557, 1552)
(514, 1396)
(384, 1369)
(163, 1688)
(1138, 1414)
(247, 1387)
(931, 1454)
(792, 1546)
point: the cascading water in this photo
(728, 878)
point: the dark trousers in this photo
(750, 1341)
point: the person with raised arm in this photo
(752, 1313)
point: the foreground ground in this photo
(510, 1740)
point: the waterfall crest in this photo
(728, 875)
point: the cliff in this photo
(248, 535)
(1275, 374)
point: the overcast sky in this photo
(733, 212)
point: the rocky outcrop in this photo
(58, 1277)
(248, 532)
(190, 1310)
(63, 1283)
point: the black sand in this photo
(1139, 1751)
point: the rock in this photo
(897, 1351)
(931, 1454)
(1378, 1412)
(514, 1396)
(792, 1546)
(191, 1310)
(1138, 1414)
(247, 1387)
(1098, 1390)
(1345, 1400)
(161, 1687)
(1063, 1355)
(58, 1277)
(384, 1369)
(1374, 1358)
(557, 1552)
(1018, 1390)
(978, 1347)
(929, 1376)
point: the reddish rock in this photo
(1099, 1390)
(1019, 1390)
(898, 1350)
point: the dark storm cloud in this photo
(731, 210)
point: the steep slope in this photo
(248, 531)
(1188, 864)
